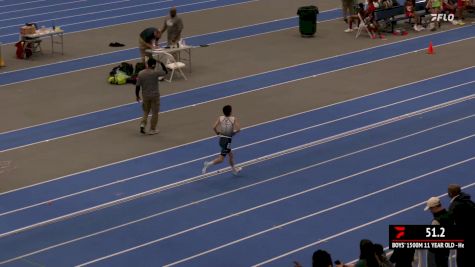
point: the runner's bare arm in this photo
(215, 127)
(237, 126)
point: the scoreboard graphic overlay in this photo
(426, 237)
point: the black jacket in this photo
(462, 210)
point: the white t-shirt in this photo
(226, 125)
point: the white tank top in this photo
(227, 125)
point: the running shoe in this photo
(205, 166)
(236, 170)
(152, 132)
(142, 129)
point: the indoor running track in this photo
(328, 195)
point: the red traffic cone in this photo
(430, 50)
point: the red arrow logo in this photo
(400, 230)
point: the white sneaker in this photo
(236, 170)
(205, 166)
(455, 22)
(348, 30)
(152, 132)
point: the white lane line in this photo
(310, 215)
(29, 2)
(162, 43)
(33, 8)
(259, 124)
(247, 163)
(112, 17)
(352, 229)
(108, 64)
(272, 228)
(61, 10)
(227, 40)
(228, 96)
(148, 19)
(104, 18)
(234, 190)
(237, 148)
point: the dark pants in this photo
(438, 259)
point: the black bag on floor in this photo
(127, 68)
(138, 67)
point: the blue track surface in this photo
(266, 80)
(105, 15)
(418, 95)
(326, 169)
(133, 53)
(348, 177)
(326, 196)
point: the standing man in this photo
(147, 79)
(148, 39)
(438, 257)
(347, 8)
(462, 210)
(225, 127)
(174, 25)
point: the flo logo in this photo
(442, 17)
(400, 231)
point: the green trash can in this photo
(307, 20)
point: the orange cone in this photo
(430, 50)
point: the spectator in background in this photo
(347, 8)
(451, 7)
(320, 258)
(381, 256)
(369, 19)
(462, 211)
(147, 80)
(402, 257)
(367, 255)
(174, 26)
(356, 18)
(438, 257)
(435, 7)
(386, 3)
(148, 39)
(461, 206)
(410, 10)
(460, 7)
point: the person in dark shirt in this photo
(173, 25)
(402, 257)
(147, 80)
(369, 18)
(462, 211)
(148, 39)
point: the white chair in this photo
(172, 64)
(363, 26)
